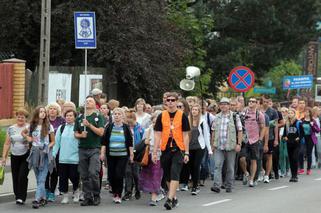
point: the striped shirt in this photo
(117, 146)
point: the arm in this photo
(276, 133)
(157, 138)
(56, 147)
(315, 127)
(207, 139)
(186, 142)
(52, 139)
(97, 130)
(6, 148)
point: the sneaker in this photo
(245, 178)
(184, 188)
(255, 183)
(65, 199)
(118, 200)
(296, 179)
(300, 171)
(175, 202)
(81, 196)
(76, 197)
(35, 204)
(168, 204)
(127, 196)
(319, 165)
(86, 202)
(137, 195)
(160, 197)
(223, 186)
(228, 190)
(51, 197)
(291, 179)
(43, 202)
(152, 203)
(215, 189)
(266, 179)
(96, 200)
(194, 191)
(251, 183)
(19, 202)
(309, 172)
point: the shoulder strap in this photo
(297, 124)
(62, 128)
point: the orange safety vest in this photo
(174, 127)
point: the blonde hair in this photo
(121, 111)
(112, 103)
(22, 111)
(315, 110)
(54, 105)
(69, 103)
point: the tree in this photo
(258, 34)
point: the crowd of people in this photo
(160, 149)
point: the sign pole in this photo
(85, 105)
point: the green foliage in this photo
(2, 140)
(276, 74)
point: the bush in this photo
(2, 139)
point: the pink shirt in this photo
(252, 126)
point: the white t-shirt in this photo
(19, 145)
(36, 134)
(144, 121)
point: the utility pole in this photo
(44, 56)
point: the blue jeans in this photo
(229, 158)
(41, 175)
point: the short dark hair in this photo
(173, 94)
(71, 110)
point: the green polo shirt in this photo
(92, 140)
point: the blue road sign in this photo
(241, 79)
(297, 82)
(85, 30)
(264, 90)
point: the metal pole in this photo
(85, 105)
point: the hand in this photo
(265, 148)
(213, 149)
(102, 157)
(237, 148)
(24, 133)
(186, 159)
(147, 141)
(210, 152)
(84, 134)
(285, 138)
(276, 143)
(311, 123)
(154, 158)
(297, 139)
(50, 145)
(3, 162)
(86, 123)
(131, 158)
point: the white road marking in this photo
(216, 202)
(318, 179)
(277, 188)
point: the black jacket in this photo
(106, 138)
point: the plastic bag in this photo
(1, 174)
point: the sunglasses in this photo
(252, 101)
(170, 100)
(180, 106)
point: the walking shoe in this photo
(65, 199)
(96, 200)
(266, 179)
(137, 195)
(215, 189)
(175, 202)
(228, 190)
(319, 165)
(51, 197)
(291, 179)
(76, 196)
(300, 171)
(152, 203)
(160, 197)
(86, 202)
(245, 178)
(309, 172)
(35, 204)
(43, 202)
(81, 196)
(168, 204)
(255, 183)
(223, 186)
(251, 183)
(19, 202)
(184, 188)
(195, 191)
(127, 196)
(296, 179)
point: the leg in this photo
(121, 164)
(309, 147)
(301, 155)
(23, 177)
(94, 169)
(15, 164)
(175, 170)
(84, 173)
(73, 176)
(63, 181)
(129, 178)
(230, 165)
(275, 159)
(196, 166)
(219, 160)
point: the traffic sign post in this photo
(85, 37)
(241, 79)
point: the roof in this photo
(6, 55)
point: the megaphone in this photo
(187, 84)
(192, 72)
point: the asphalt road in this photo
(278, 195)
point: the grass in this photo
(2, 139)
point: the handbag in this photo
(145, 159)
(1, 174)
